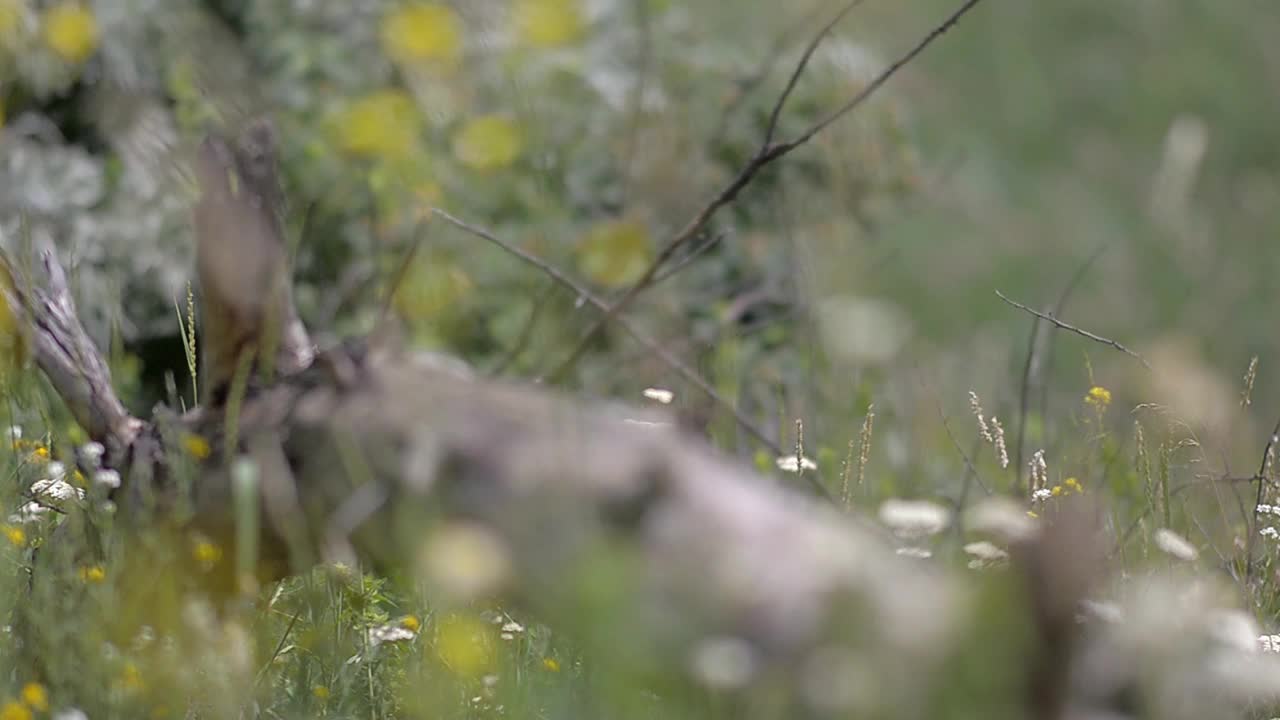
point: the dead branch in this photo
(1033, 354)
(63, 350)
(1081, 332)
(749, 82)
(242, 259)
(526, 330)
(768, 152)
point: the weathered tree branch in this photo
(63, 350)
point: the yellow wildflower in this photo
(411, 623)
(71, 31)
(131, 677)
(206, 553)
(92, 574)
(1033, 514)
(548, 23)
(15, 535)
(489, 142)
(466, 645)
(14, 710)
(1057, 490)
(422, 32)
(384, 124)
(196, 446)
(1098, 396)
(615, 253)
(321, 692)
(36, 697)
(433, 284)
(1073, 485)
(551, 664)
(40, 453)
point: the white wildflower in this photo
(108, 478)
(1175, 545)
(146, 635)
(1039, 470)
(390, 634)
(659, 395)
(790, 463)
(15, 432)
(1269, 643)
(28, 512)
(55, 488)
(1041, 495)
(1270, 532)
(92, 452)
(914, 518)
(1104, 611)
(724, 663)
(510, 629)
(984, 554)
(976, 406)
(1001, 450)
(915, 552)
(1002, 517)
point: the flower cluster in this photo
(1098, 396)
(989, 430)
(33, 699)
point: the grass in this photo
(114, 627)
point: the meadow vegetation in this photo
(1030, 274)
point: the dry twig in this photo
(768, 152)
(1261, 478)
(675, 363)
(1081, 332)
(1024, 392)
